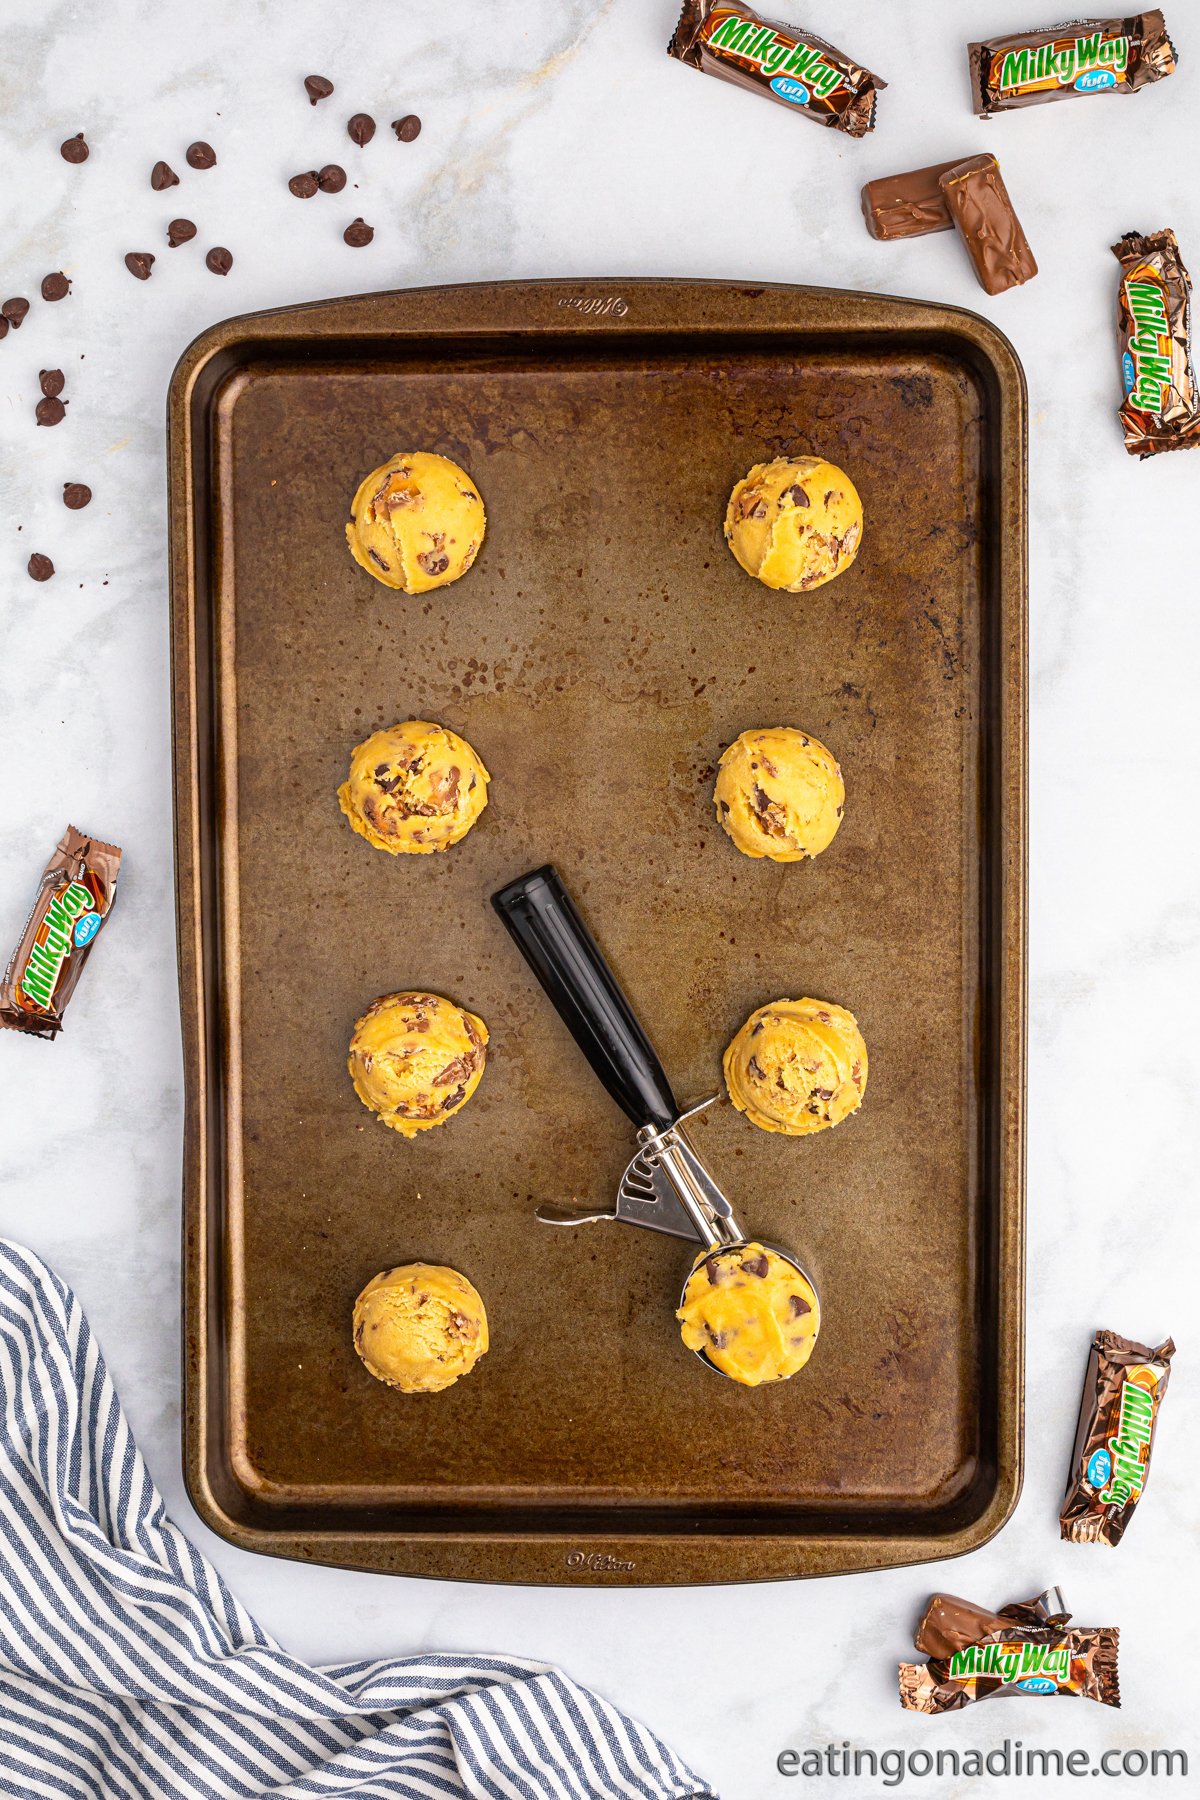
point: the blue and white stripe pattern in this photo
(128, 1669)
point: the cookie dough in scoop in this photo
(416, 522)
(419, 1327)
(416, 787)
(797, 1066)
(780, 794)
(751, 1312)
(794, 523)
(416, 1059)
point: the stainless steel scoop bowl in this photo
(666, 1186)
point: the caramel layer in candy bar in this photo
(910, 205)
(781, 62)
(1068, 62)
(74, 898)
(989, 227)
(1161, 408)
(1122, 1392)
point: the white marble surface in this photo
(559, 139)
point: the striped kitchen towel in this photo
(127, 1668)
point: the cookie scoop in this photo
(751, 1312)
(754, 1332)
(420, 1327)
(416, 1059)
(797, 1066)
(794, 523)
(414, 788)
(779, 794)
(416, 522)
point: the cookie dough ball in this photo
(416, 523)
(751, 1312)
(797, 1066)
(415, 788)
(794, 523)
(416, 1059)
(420, 1327)
(780, 794)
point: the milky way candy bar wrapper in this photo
(1122, 1393)
(1068, 62)
(1080, 1662)
(780, 62)
(74, 899)
(1161, 408)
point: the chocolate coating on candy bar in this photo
(1161, 409)
(74, 898)
(1068, 62)
(981, 209)
(781, 62)
(1122, 1392)
(949, 1624)
(911, 205)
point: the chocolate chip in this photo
(796, 495)
(798, 1306)
(360, 129)
(180, 231)
(76, 495)
(303, 186)
(14, 311)
(332, 178)
(358, 234)
(162, 175)
(40, 567)
(756, 1265)
(50, 410)
(55, 286)
(200, 155)
(139, 263)
(434, 562)
(407, 128)
(317, 87)
(377, 559)
(74, 149)
(52, 381)
(3, 326)
(219, 260)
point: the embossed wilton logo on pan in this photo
(597, 1562)
(595, 305)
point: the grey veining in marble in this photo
(559, 139)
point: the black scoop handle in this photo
(566, 959)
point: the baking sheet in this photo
(600, 655)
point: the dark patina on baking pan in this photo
(600, 654)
